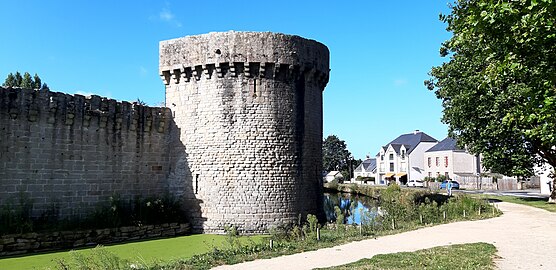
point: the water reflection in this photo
(353, 207)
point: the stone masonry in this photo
(249, 109)
(71, 152)
(240, 142)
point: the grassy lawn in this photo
(534, 202)
(145, 251)
(468, 256)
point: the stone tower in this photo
(249, 109)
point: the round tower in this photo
(249, 109)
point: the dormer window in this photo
(403, 154)
(391, 156)
(381, 157)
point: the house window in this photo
(446, 161)
(403, 154)
(429, 161)
(381, 157)
(447, 175)
(430, 174)
(381, 167)
(391, 166)
(437, 161)
(391, 157)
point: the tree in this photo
(37, 82)
(10, 81)
(27, 81)
(498, 89)
(18, 79)
(335, 156)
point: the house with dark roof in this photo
(402, 159)
(367, 168)
(446, 158)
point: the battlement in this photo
(249, 54)
(56, 108)
(275, 71)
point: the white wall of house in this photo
(333, 175)
(416, 159)
(464, 162)
(402, 163)
(449, 163)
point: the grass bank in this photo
(146, 252)
(401, 210)
(476, 256)
(541, 203)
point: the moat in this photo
(353, 207)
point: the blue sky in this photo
(380, 52)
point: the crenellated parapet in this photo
(243, 54)
(276, 71)
(54, 108)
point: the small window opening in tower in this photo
(254, 87)
(196, 183)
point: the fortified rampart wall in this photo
(72, 152)
(241, 142)
(249, 107)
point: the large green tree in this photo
(498, 89)
(335, 156)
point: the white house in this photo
(402, 158)
(446, 158)
(367, 168)
(332, 175)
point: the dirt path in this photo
(524, 236)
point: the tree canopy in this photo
(336, 157)
(25, 81)
(498, 89)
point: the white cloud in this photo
(166, 15)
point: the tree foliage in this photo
(335, 156)
(498, 89)
(25, 81)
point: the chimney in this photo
(416, 131)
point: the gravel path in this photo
(524, 236)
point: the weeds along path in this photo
(524, 236)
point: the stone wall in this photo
(15, 244)
(249, 106)
(72, 152)
(240, 143)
